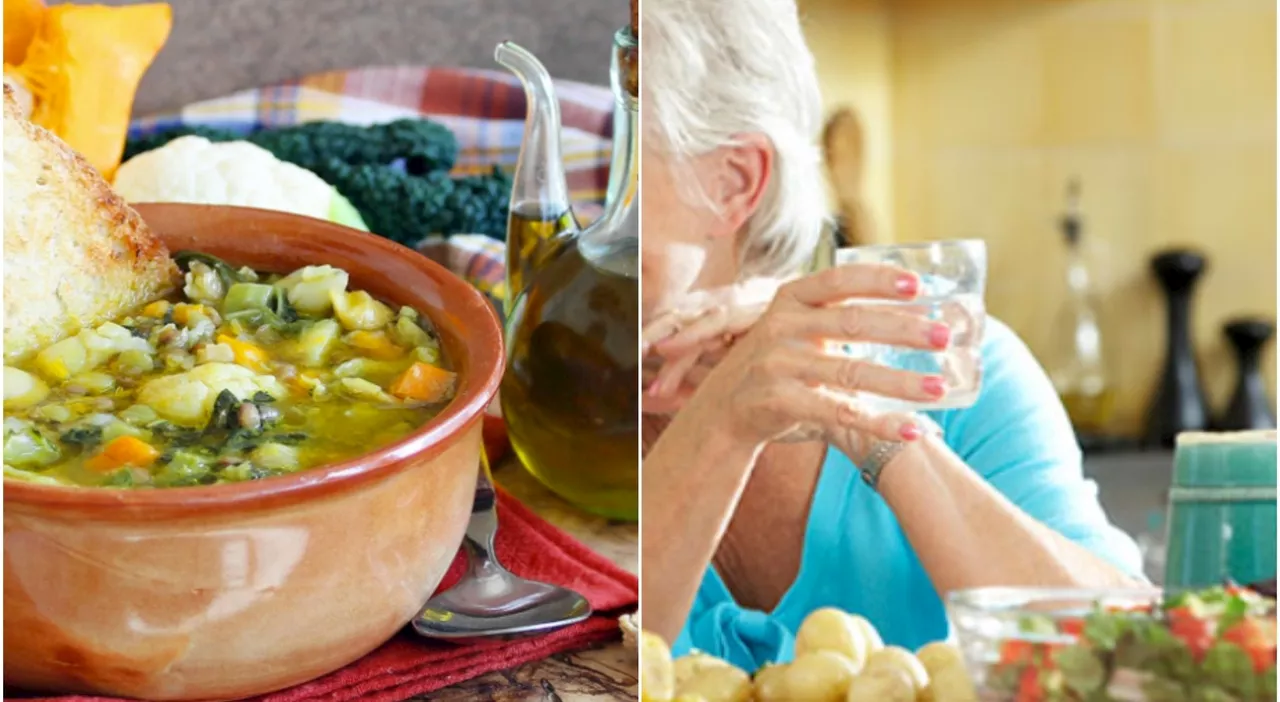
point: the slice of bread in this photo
(75, 255)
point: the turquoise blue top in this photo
(856, 556)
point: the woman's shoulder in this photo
(1007, 360)
(999, 340)
(1017, 400)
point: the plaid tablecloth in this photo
(484, 108)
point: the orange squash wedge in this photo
(83, 65)
(21, 21)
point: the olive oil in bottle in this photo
(1078, 364)
(570, 395)
(571, 392)
(534, 232)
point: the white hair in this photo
(717, 69)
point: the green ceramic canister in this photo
(1222, 509)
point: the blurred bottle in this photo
(1077, 363)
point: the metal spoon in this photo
(489, 601)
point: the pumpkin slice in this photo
(83, 68)
(21, 21)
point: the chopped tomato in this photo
(1029, 689)
(1196, 632)
(1072, 627)
(1257, 638)
(1238, 591)
(1016, 652)
(1035, 655)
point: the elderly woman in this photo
(756, 510)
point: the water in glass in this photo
(953, 279)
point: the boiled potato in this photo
(882, 685)
(829, 629)
(948, 678)
(359, 311)
(717, 683)
(63, 359)
(770, 684)
(950, 685)
(818, 676)
(898, 658)
(315, 342)
(869, 633)
(939, 655)
(687, 667)
(187, 398)
(94, 382)
(657, 679)
(22, 389)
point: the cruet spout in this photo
(540, 214)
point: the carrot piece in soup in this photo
(124, 451)
(424, 382)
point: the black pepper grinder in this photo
(1250, 408)
(1179, 403)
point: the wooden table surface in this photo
(606, 672)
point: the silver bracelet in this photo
(884, 451)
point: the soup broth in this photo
(236, 376)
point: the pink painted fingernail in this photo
(940, 335)
(934, 386)
(909, 432)
(907, 285)
(652, 391)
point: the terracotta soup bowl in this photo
(233, 590)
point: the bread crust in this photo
(75, 254)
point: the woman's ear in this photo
(742, 173)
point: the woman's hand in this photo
(682, 346)
(777, 382)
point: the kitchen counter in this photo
(1133, 487)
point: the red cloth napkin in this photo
(410, 665)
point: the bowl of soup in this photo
(252, 481)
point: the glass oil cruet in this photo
(570, 395)
(1080, 372)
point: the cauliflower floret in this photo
(194, 169)
(187, 398)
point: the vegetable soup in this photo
(237, 376)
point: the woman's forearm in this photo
(967, 534)
(692, 479)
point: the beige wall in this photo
(1166, 109)
(850, 39)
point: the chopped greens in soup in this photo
(238, 376)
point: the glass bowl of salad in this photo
(1140, 645)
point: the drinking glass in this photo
(953, 277)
